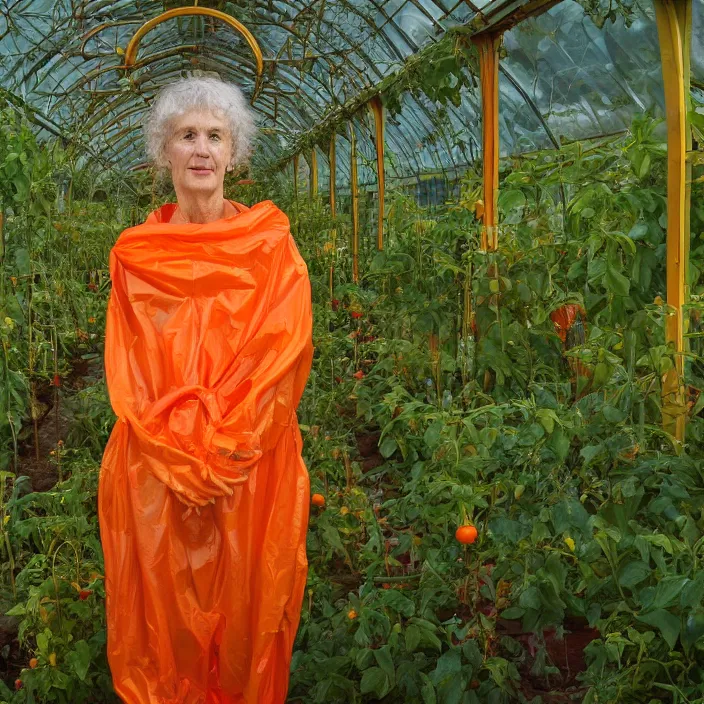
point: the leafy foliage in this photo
(449, 397)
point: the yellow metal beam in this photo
(377, 109)
(684, 19)
(488, 48)
(355, 203)
(131, 51)
(674, 24)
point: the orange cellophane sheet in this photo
(204, 496)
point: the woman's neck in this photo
(201, 210)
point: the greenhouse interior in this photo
(491, 217)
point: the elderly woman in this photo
(203, 495)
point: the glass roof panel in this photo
(562, 77)
(586, 81)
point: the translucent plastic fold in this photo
(203, 495)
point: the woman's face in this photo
(199, 151)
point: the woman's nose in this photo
(202, 147)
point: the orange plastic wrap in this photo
(204, 496)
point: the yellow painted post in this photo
(355, 204)
(684, 19)
(488, 48)
(331, 155)
(672, 30)
(377, 109)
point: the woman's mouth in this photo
(201, 171)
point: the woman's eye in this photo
(216, 136)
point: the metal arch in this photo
(400, 138)
(96, 117)
(112, 140)
(414, 129)
(334, 51)
(96, 72)
(221, 58)
(357, 49)
(346, 67)
(431, 119)
(317, 91)
(131, 52)
(456, 112)
(411, 44)
(424, 11)
(356, 11)
(97, 30)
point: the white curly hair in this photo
(177, 98)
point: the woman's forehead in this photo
(200, 118)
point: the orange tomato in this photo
(33, 662)
(466, 534)
(565, 317)
(351, 614)
(318, 500)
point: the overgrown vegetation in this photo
(443, 392)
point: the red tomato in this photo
(466, 534)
